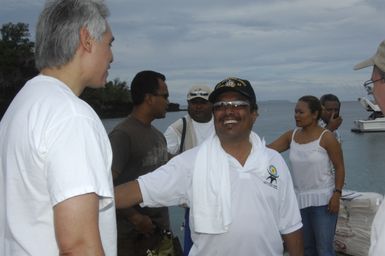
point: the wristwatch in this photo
(338, 191)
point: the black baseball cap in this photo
(235, 84)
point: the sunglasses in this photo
(236, 105)
(370, 81)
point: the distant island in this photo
(173, 107)
(116, 111)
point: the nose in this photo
(199, 106)
(229, 109)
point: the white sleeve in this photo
(168, 185)
(78, 160)
(290, 217)
(173, 140)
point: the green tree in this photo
(114, 100)
(17, 66)
(16, 61)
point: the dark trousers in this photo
(187, 243)
(134, 243)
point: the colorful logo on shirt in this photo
(273, 176)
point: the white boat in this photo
(376, 120)
(375, 125)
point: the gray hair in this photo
(58, 29)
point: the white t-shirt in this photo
(201, 131)
(263, 207)
(53, 147)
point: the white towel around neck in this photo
(211, 195)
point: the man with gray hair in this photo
(56, 191)
(377, 246)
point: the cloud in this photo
(286, 48)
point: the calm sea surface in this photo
(364, 153)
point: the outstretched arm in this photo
(282, 143)
(294, 242)
(128, 194)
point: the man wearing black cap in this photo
(377, 239)
(240, 192)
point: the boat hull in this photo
(375, 125)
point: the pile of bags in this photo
(357, 211)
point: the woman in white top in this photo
(318, 172)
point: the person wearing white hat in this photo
(378, 74)
(199, 122)
(377, 239)
(190, 131)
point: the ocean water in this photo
(364, 153)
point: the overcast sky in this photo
(285, 48)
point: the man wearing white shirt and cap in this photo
(240, 192)
(188, 132)
(198, 123)
(377, 246)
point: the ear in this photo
(147, 98)
(254, 115)
(315, 115)
(85, 39)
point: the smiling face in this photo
(233, 122)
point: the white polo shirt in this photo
(264, 206)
